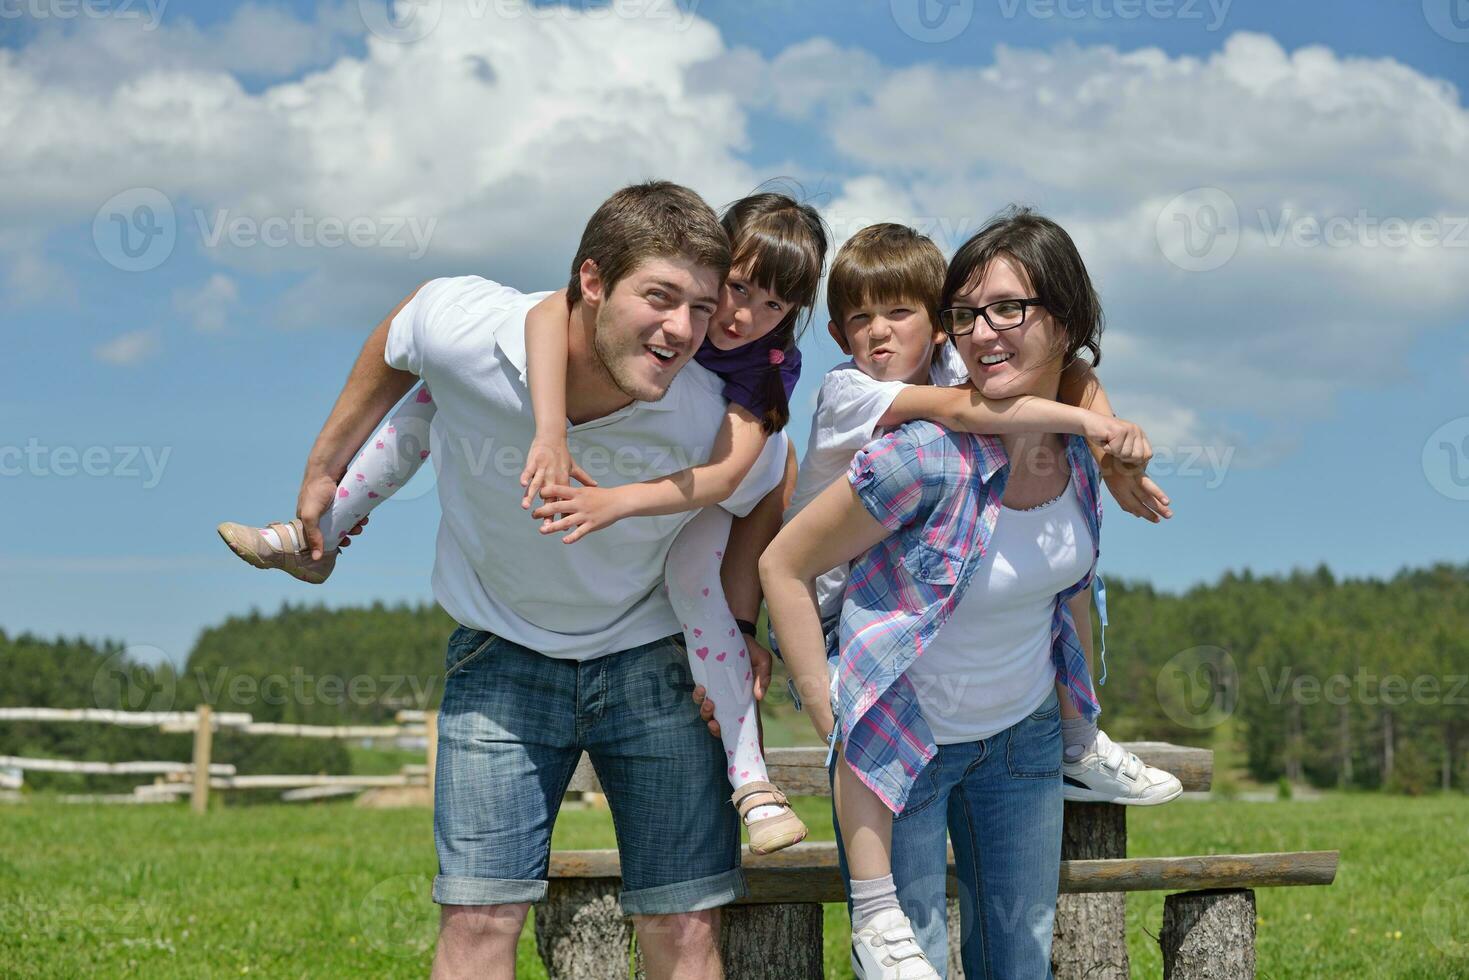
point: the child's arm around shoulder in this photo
(585, 509)
(1127, 480)
(965, 409)
(547, 348)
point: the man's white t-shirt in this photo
(494, 570)
(848, 409)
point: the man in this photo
(569, 648)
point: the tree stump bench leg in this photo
(1090, 939)
(1209, 935)
(956, 965)
(772, 942)
(581, 933)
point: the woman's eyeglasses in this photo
(1005, 314)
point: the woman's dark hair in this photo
(783, 244)
(1058, 277)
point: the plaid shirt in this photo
(939, 493)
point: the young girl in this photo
(778, 249)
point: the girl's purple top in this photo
(743, 370)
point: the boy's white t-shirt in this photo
(494, 570)
(848, 409)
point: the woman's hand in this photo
(822, 721)
(584, 509)
(549, 462)
(1124, 441)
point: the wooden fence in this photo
(200, 775)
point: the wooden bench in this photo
(776, 931)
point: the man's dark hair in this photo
(654, 219)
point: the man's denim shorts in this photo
(512, 726)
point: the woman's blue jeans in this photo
(999, 800)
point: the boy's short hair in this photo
(654, 219)
(885, 263)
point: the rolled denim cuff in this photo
(686, 896)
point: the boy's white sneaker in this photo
(886, 949)
(1108, 773)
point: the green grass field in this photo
(330, 890)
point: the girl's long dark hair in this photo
(783, 243)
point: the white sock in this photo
(275, 539)
(717, 655)
(870, 896)
(1077, 737)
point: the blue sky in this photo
(1302, 369)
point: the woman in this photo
(975, 552)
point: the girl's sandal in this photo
(772, 833)
(251, 544)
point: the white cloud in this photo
(504, 132)
(1102, 140)
(1120, 125)
(128, 349)
(812, 75)
(256, 41)
(28, 276)
(207, 307)
(501, 133)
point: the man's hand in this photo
(1135, 491)
(761, 660)
(760, 663)
(318, 490)
(372, 389)
(356, 530)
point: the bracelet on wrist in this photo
(746, 627)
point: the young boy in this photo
(883, 294)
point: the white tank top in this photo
(990, 664)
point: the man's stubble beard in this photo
(608, 361)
